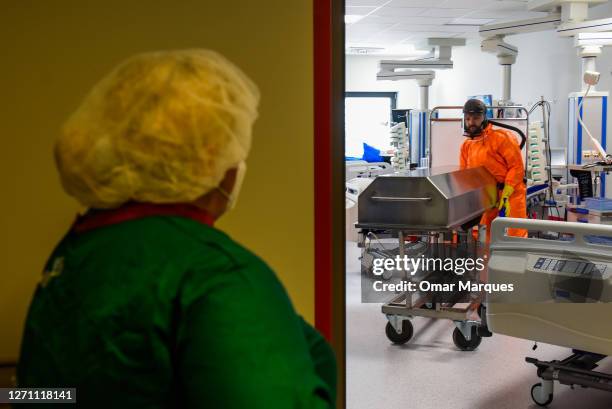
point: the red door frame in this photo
(322, 165)
(328, 36)
(329, 158)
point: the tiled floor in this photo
(429, 372)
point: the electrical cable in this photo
(380, 243)
(546, 113)
(512, 128)
(546, 107)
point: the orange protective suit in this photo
(498, 151)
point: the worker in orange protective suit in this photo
(498, 151)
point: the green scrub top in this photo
(168, 312)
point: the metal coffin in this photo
(427, 199)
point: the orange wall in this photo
(53, 52)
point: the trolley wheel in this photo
(402, 338)
(463, 344)
(535, 395)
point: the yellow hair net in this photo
(162, 127)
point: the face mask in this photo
(233, 196)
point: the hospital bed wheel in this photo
(463, 344)
(535, 395)
(402, 338)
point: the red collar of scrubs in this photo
(132, 211)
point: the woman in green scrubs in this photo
(144, 303)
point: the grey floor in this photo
(429, 372)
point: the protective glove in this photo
(504, 201)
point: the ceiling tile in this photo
(467, 4)
(505, 15)
(357, 38)
(359, 11)
(493, 14)
(471, 21)
(522, 15)
(429, 34)
(365, 43)
(446, 28)
(412, 21)
(445, 12)
(408, 40)
(366, 27)
(416, 3)
(399, 33)
(375, 3)
(388, 39)
(499, 16)
(388, 20)
(360, 35)
(507, 5)
(399, 11)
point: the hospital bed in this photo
(359, 174)
(354, 187)
(363, 169)
(562, 296)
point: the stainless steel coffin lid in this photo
(427, 199)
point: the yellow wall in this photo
(54, 51)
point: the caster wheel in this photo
(399, 338)
(463, 344)
(536, 395)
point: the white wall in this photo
(547, 65)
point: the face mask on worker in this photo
(232, 196)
